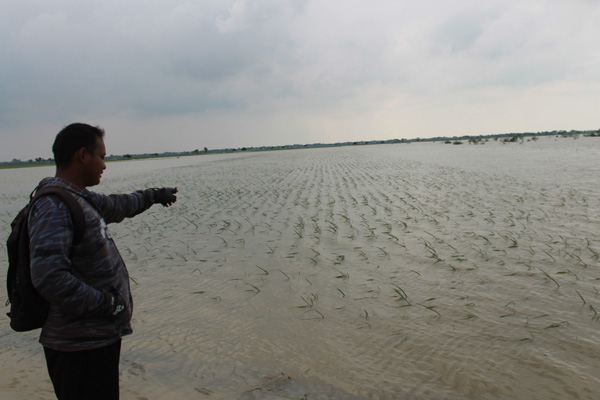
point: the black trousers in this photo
(85, 375)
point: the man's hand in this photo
(165, 196)
(114, 305)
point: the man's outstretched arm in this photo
(116, 207)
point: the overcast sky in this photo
(168, 75)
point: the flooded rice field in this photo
(406, 271)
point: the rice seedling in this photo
(596, 254)
(512, 240)
(437, 239)
(557, 325)
(342, 275)
(181, 256)
(528, 338)
(272, 384)
(568, 272)
(459, 257)
(346, 218)
(596, 316)
(432, 252)
(401, 295)
(310, 302)
(430, 308)
(511, 309)
(564, 240)
(254, 288)
(549, 255)
(384, 252)
(339, 259)
(371, 235)
(225, 226)
(298, 232)
(299, 227)
(551, 278)
(264, 271)
(361, 254)
(331, 201)
(284, 274)
(352, 234)
(314, 310)
(316, 230)
(575, 256)
(333, 228)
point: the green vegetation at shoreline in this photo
(504, 138)
(26, 164)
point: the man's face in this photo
(94, 164)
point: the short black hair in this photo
(72, 138)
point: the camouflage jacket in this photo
(72, 278)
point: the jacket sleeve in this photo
(50, 239)
(117, 207)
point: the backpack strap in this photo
(77, 216)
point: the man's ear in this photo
(81, 155)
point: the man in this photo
(87, 285)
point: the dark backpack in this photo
(28, 309)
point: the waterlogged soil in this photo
(412, 271)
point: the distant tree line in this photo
(456, 140)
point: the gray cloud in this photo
(250, 72)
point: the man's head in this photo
(73, 138)
(79, 154)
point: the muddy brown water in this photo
(407, 271)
